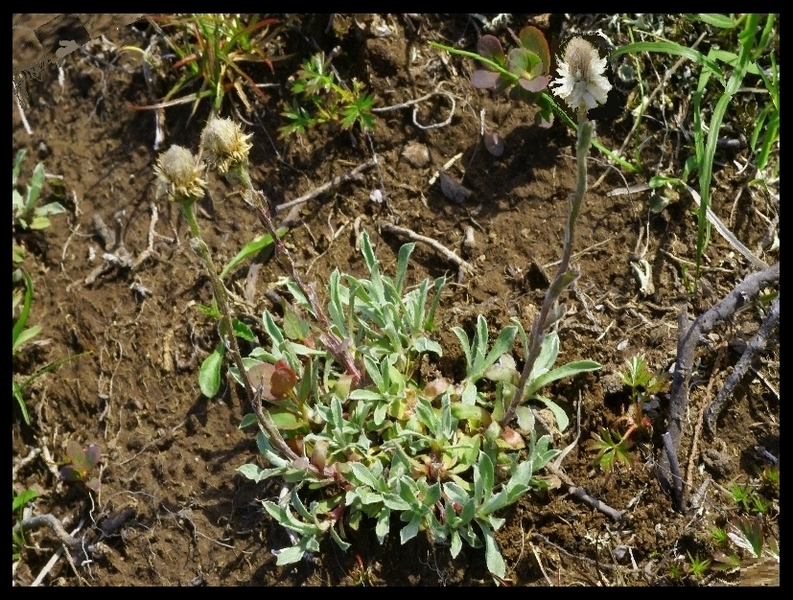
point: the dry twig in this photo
(354, 174)
(688, 338)
(434, 244)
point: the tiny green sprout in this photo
(698, 567)
(21, 500)
(81, 461)
(641, 379)
(770, 477)
(742, 495)
(23, 335)
(719, 535)
(27, 215)
(675, 572)
(643, 383)
(759, 504)
(611, 449)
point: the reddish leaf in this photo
(276, 380)
(69, 473)
(533, 40)
(282, 380)
(537, 84)
(483, 80)
(489, 47)
(494, 142)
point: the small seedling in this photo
(27, 215)
(698, 567)
(720, 537)
(18, 536)
(319, 98)
(746, 497)
(770, 477)
(675, 572)
(613, 448)
(81, 461)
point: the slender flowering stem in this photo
(582, 85)
(227, 334)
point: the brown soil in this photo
(172, 506)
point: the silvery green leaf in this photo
(433, 494)
(383, 524)
(455, 492)
(272, 329)
(368, 497)
(335, 309)
(250, 471)
(299, 506)
(426, 415)
(457, 544)
(469, 535)
(302, 350)
(423, 344)
(407, 493)
(364, 394)
(562, 421)
(339, 542)
(480, 344)
(248, 420)
(525, 418)
(483, 478)
(368, 254)
(410, 530)
(448, 423)
(502, 345)
(268, 452)
(503, 374)
(394, 502)
(493, 559)
(286, 519)
(380, 414)
(402, 265)
(524, 339)
(469, 394)
(520, 476)
(494, 503)
(567, 370)
(560, 284)
(363, 475)
(463, 337)
(548, 354)
(493, 432)
(289, 556)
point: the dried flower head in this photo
(224, 144)
(581, 76)
(179, 175)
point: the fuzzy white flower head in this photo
(224, 144)
(179, 176)
(581, 78)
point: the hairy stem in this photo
(563, 276)
(227, 334)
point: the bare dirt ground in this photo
(172, 508)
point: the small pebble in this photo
(416, 154)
